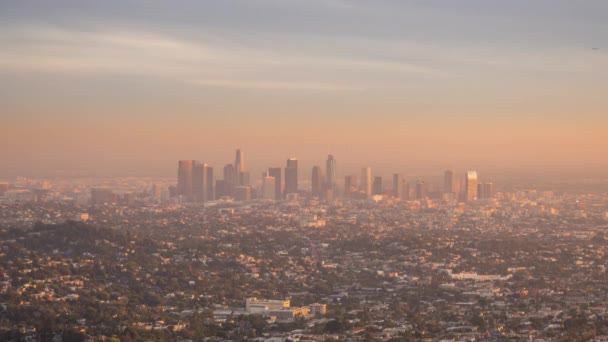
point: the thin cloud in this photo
(51, 50)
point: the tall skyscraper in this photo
(276, 173)
(200, 182)
(184, 178)
(488, 190)
(291, 176)
(239, 167)
(398, 186)
(366, 181)
(485, 190)
(470, 186)
(221, 189)
(377, 187)
(448, 182)
(268, 187)
(331, 173)
(210, 188)
(229, 173)
(350, 185)
(317, 181)
(420, 190)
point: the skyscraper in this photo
(448, 182)
(184, 178)
(470, 186)
(350, 185)
(366, 181)
(200, 182)
(377, 188)
(331, 173)
(420, 190)
(488, 190)
(485, 190)
(398, 186)
(317, 181)
(291, 176)
(276, 173)
(239, 167)
(210, 188)
(229, 173)
(268, 187)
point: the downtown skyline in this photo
(196, 183)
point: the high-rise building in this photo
(210, 184)
(366, 181)
(350, 185)
(420, 190)
(200, 182)
(317, 182)
(398, 186)
(448, 182)
(229, 173)
(377, 187)
(276, 173)
(470, 186)
(291, 176)
(268, 187)
(239, 167)
(184, 178)
(485, 190)
(331, 173)
(488, 190)
(222, 188)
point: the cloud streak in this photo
(198, 62)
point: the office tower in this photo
(331, 173)
(268, 187)
(276, 173)
(488, 190)
(408, 191)
(448, 182)
(398, 186)
(242, 193)
(222, 188)
(480, 191)
(420, 190)
(239, 167)
(366, 181)
(485, 190)
(156, 192)
(210, 184)
(229, 173)
(470, 186)
(377, 187)
(317, 181)
(184, 178)
(200, 182)
(291, 176)
(350, 185)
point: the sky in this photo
(413, 87)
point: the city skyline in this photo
(123, 88)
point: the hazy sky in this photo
(403, 86)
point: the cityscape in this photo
(303, 171)
(226, 257)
